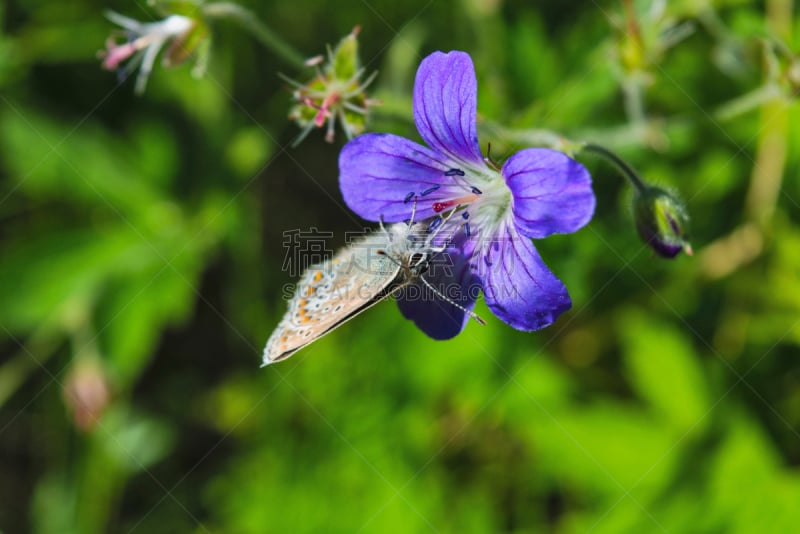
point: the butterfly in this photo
(362, 274)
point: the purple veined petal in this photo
(450, 274)
(552, 192)
(445, 100)
(518, 286)
(380, 174)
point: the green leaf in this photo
(49, 163)
(664, 371)
(133, 441)
(137, 312)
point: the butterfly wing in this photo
(332, 292)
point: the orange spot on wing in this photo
(318, 276)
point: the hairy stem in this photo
(626, 170)
(247, 20)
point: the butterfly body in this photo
(334, 291)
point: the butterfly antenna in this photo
(386, 232)
(451, 301)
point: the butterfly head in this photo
(412, 246)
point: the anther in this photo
(429, 190)
(455, 172)
(476, 190)
(408, 197)
(465, 215)
(436, 223)
(466, 229)
(487, 261)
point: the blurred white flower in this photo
(141, 42)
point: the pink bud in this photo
(86, 393)
(116, 54)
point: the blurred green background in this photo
(140, 268)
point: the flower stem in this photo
(247, 20)
(619, 163)
(749, 101)
(634, 99)
(530, 137)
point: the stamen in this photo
(466, 229)
(465, 215)
(488, 159)
(413, 212)
(408, 197)
(476, 190)
(455, 172)
(436, 223)
(429, 190)
(487, 261)
(436, 228)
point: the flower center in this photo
(480, 208)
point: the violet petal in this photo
(552, 192)
(449, 273)
(518, 286)
(445, 100)
(378, 172)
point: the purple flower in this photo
(537, 192)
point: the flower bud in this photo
(662, 221)
(87, 393)
(137, 44)
(335, 93)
